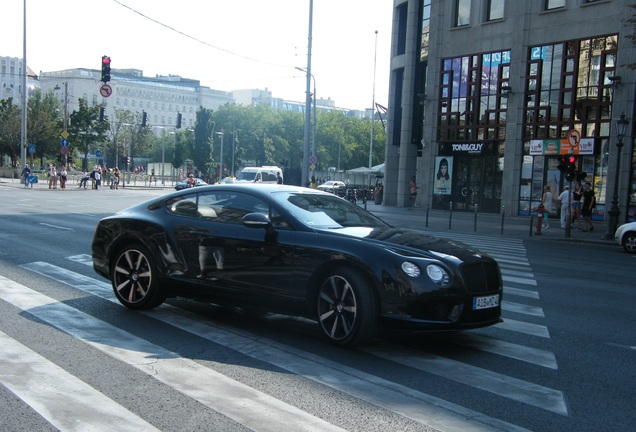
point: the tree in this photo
(202, 145)
(10, 129)
(44, 124)
(85, 129)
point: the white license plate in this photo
(486, 302)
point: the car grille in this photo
(481, 277)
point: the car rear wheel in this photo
(629, 242)
(347, 309)
(135, 279)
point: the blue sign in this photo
(98, 153)
(64, 142)
(31, 148)
(32, 179)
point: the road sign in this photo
(64, 142)
(574, 137)
(105, 90)
(64, 150)
(312, 159)
(98, 153)
(31, 148)
(65, 134)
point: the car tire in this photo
(629, 242)
(346, 309)
(134, 277)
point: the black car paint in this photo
(294, 264)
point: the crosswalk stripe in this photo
(521, 281)
(502, 385)
(524, 327)
(518, 352)
(520, 292)
(230, 398)
(409, 403)
(522, 309)
(59, 397)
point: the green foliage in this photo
(10, 123)
(85, 130)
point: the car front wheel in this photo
(134, 278)
(347, 309)
(629, 242)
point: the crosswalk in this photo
(29, 375)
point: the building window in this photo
(426, 29)
(462, 13)
(495, 10)
(472, 103)
(554, 4)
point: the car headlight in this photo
(411, 269)
(437, 274)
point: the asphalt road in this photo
(74, 359)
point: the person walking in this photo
(577, 194)
(412, 191)
(26, 172)
(547, 203)
(63, 176)
(564, 201)
(589, 202)
(53, 177)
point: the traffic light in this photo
(105, 69)
(127, 160)
(179, 118)
(144, 118)
(570, 168)
(102, 111)
(562, 163)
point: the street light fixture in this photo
(615, 211)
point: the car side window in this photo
(229, 206)
(183, 206)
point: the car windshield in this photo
(247, 175)
(326, 211)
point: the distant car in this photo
(185, 184)
(626, 236)
(296, 251)
(228, 180)
(331, 186)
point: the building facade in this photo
(485, 95)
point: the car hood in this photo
(410, 242)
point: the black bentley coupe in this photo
(296, 251)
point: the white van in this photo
(263, 174)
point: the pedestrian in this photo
(98, 179)
(412, 191)
(547, 203)
(564, 202)
(589, 203)
(26, 172)
(53, 177)
(279, 179)
(116, 176)
(63, 176)
(577, 194)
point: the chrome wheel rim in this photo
(132, 276)
(337, 308)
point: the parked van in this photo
(264, 174)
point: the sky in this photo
(226, 44)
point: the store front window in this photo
(568, 107)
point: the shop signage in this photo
(467, 148)
(583, 146)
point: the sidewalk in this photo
(485, 224)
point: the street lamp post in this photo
(375, 57)
(221, 158)
(615, 211)
(305, 161)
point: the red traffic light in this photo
(105, 60)
(571, 159)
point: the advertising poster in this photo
(443, 175)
